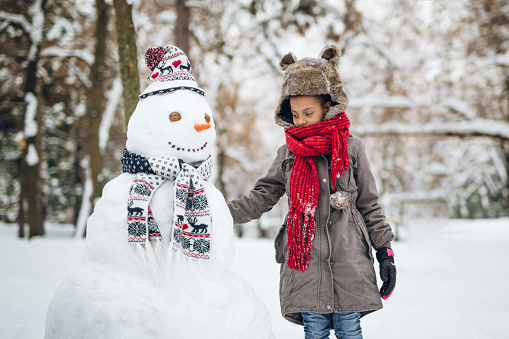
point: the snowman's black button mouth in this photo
(188, 149)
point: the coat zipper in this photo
(328, 238)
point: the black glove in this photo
(385, 257)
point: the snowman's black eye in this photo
(207, 118)
(175, 116)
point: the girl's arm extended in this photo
(263, 196)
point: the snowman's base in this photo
(192, 301)
(122, 290)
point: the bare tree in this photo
(182, 33)
(96, 100)
(31, 23)
(128, 55)
(53, 102)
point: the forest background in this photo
(428, 83)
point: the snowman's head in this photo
(174, 124)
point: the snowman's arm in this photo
(265, 194)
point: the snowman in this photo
(160, 240)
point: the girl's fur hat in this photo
(311, 76)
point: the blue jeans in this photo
(346, 325)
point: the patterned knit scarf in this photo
(327, 137)
(191, 212)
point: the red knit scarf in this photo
(327, 137)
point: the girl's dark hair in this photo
(285, 112)
(324, 99)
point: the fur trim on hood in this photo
(311, 76)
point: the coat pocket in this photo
(363, 231)
(286, 167)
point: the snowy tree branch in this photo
(393, 101)
(497, 60)
(475, 128)
(269, 61)
(17, 19)
(459, 106)
(244, 161)
(417, 196)
(66, 53)
(113, 96)
(384, 52)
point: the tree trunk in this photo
(31, 162)
(21, 202)
(96, 100)
(78, 171)
(127, 53)
(182, 28)
(34, 195)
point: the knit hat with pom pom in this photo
(171, 71)
(311, 76)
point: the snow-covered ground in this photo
(452, 281)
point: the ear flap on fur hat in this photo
(331, 53)
(287, 60)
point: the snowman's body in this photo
(112, 294)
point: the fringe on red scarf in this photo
(327, 137)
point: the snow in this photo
(395, 101)
(244, 161)
(149, 130)
(32, 158)
(497, 60)
(460, 106)
(105, 294)
(85, 208)
(62, 53)
(30, 115)
(467, 254)
(486, 127)
(109, 113)
(36, 28)
(15, 18)
(452, 277)
(384, 51)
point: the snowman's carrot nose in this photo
(201, 127)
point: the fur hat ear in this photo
(287, 60)
(331, 53)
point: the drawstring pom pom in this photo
(153, 56)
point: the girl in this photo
(327, 278)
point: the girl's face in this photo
(307, 110)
